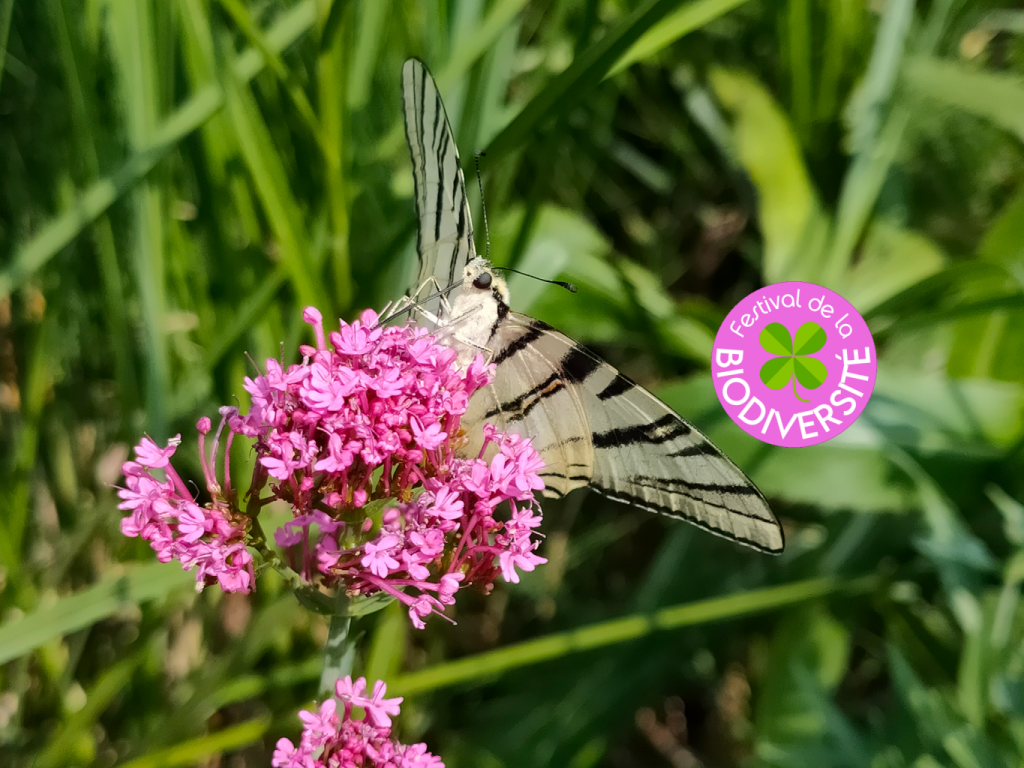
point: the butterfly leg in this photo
(412, 303)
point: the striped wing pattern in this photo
(593, 426)
(445, 234)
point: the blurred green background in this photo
(179, 177)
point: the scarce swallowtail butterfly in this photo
(591, 425)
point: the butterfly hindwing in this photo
(579, 410)
(530, 390)
(445, 228)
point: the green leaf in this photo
(875, 136)
(796, 716)
(775, 339)
(1004, 241)
(810, 372)
(993, 96)
(891, 259)
(792, 222)
(810, 337)
(777, 372)
(81, 609)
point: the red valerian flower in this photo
(363, 441)
(333, 739)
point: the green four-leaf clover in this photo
(793, 363)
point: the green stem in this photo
(794, 390)
(340, 651)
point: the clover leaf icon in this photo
(793, 362)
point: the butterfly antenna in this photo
(570, 287)
(483, 206)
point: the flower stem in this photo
(340, 651)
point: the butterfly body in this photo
(591, 425)
(477, 307)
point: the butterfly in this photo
(592, 425)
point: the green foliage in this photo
(180, 177)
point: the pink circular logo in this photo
(794, 364)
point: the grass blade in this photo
(616, 631)
(6, 11)
(372, 26)
(37, 385)
(332, 81)
(586, 70)
(240, 15)
(199, 750)
(799, 45)
(81, 609)
(465, 56)
(874, 137)
(134, 52)
(102, 693)
(99, 196)
(272, 186)
(678, 24)
(494, 25)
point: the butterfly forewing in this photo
(445, 230)
(580, 410)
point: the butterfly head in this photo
(480, 279)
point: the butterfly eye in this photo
(483, 281)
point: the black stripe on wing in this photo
(518, 408)
(697, 449)
(663, 430)
(533, 332)
(686, 487)
(620, 385)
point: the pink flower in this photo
(205, 539)
(193, 522)
(428, 438)
(447, 504)
(378, 708)
(152, 457)
(517, 558)
(333, 740)
(377, 558)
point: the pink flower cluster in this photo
(162, 511)
(381, 400)
(451, 523)
(362, 440)
(337, 740)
